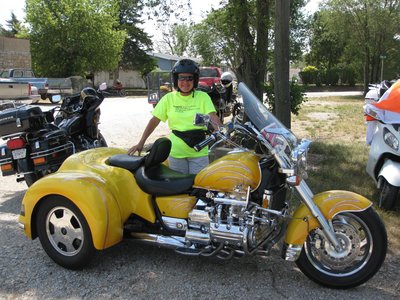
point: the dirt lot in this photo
(131, 270)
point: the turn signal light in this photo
(39, 161)
(6, 167)
(16, 143)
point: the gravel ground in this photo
(133, 270)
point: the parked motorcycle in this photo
(116, 90)
(37, 143)
(376, 90)
(383, 163)
(224, 107)
(239, 205)
(384, 156)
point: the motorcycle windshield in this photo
(280, 137)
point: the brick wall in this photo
(14, 53)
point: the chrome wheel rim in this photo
(64, 231)
(356, 241)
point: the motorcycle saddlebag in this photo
(6, 162)
(19, 119)
(50, 150)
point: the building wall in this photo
(15, 53)
(128, 78)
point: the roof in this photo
(171, 57)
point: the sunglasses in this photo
(185, 78)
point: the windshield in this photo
(208, 73)
(280, 137)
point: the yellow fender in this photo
(88, 194)
(105, 195)
(330, 203)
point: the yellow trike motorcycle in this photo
(239, 205)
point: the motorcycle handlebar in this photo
(204, 143)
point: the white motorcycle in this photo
(376, 90)
(384, 158)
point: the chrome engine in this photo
(226, 225)
(232, 225)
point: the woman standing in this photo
(179, 108)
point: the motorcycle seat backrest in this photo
(158, 153)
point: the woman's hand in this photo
(133, 149)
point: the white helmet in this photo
(226, 79)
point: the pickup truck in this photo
(14, 90)
(47, 87)
(209, 76)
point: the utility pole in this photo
(281, 66)
(382, 58)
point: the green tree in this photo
(137, 42)
(240, 34)
(15, 28)
(176, 40)
(371, 28)
(74, 37)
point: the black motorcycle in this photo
(225, 106)
(37, 143)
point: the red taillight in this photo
(16, 143)
(29, 89)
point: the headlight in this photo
(390, 139)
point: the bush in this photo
(309, 75)
(296, 97)
(332, 77)
(348, 75)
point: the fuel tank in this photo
(232, 171)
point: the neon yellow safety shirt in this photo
(180, 112)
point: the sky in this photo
(199, 8)
(17, 6)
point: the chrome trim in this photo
(196, 236)
(307, 197)
(51, 151)
(199, 217)
(228, 235)
(5, 161)
(172, 242)
(230, 201)
(291, 252)
(175, 223)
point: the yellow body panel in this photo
(230, 172)
(330, 203)
(177, 206)
(105, 195)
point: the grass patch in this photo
(338, 155)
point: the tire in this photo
(64, 233)
(31, 178)
(388, 196)
(364, 238)
(43, 96)
(122, 93)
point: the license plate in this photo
(19, 153)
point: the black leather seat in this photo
(125, 161)
(151, 175)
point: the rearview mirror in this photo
(201, 120)
(55, 98)
(103, 86)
